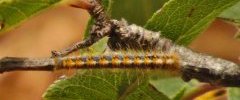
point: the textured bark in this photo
(8, 64)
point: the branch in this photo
(215, 76)
(120, 61)
(101, 28)
(206, 68)
(8, 64)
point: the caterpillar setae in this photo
(138, 60)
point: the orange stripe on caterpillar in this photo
(143, 61)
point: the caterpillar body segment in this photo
(121, 61)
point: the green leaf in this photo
(183, 20)
(104, 85)
(180, 94)
(232, 13)
(173, 87)
(233, 93)
(135, 11)
(13, 12)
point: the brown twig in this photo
(119, 61)
(8, 64)
(100, 29)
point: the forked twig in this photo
(122, 36)
(100, 29)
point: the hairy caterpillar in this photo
(141, 61)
